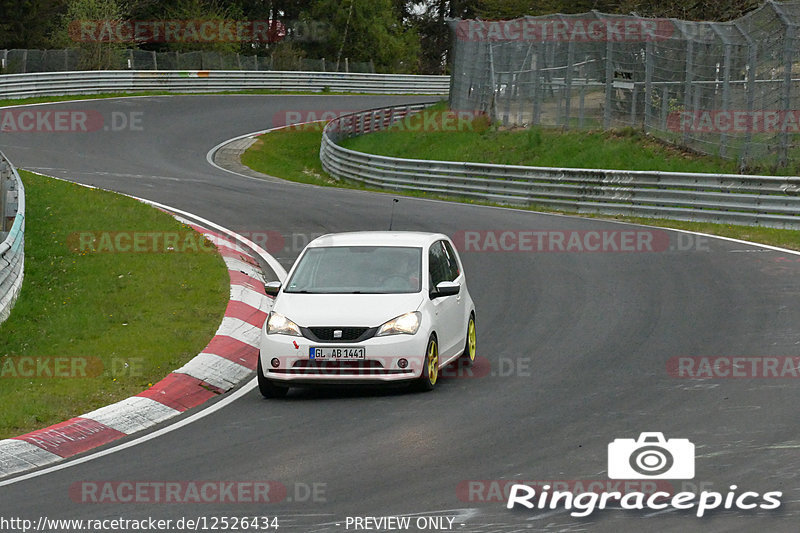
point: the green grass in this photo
(293, 154)
(623, 149)
(151, 311)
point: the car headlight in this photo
(279, 324)
(407, 324)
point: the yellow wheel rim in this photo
(433, 363)
(472, 339)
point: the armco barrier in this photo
(12, 248)
(721, 198)
(91, 82)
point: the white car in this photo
(368, 307)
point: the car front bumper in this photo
(381, 364)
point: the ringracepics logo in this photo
(650, 456)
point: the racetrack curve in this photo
(578, 344)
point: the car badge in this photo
(337, 334)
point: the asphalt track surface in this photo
(577, 343)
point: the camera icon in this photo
(651, 457)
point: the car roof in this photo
(377, 238)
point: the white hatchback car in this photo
(368, 307)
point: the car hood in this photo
(349, 310)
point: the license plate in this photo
(336, 354)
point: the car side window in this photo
(438, 267)
(452, 262)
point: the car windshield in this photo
(358, 269)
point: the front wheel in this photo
(267, 387)
(430, 366)
(472, 342)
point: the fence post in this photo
(537, 85)
(648, 84)
(568, 82)
(726, 97)
(609, 83)
(687, 88)
(786, 96)
(493, 101)
(750, 87)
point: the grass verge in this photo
(113, 322)
(293, 154)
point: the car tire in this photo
(468, 356)
(267, 387)
(430, 366)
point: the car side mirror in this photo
(446, 288)
(272, 288)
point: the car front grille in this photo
(328, 334)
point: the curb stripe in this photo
(215, 370)
(132, 414)
(245, 268)
(238, 278)
(181, 392)
(245, 312)
(235, 254)
(254, 299)
(240, 330)
(72, 437)
(233, 350)
(18, 456)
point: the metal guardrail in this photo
(721, 198)
(12, 230)
(90, 82)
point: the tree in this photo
(694, 10)
(364, 30)
(28, 23)
(96, 54)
